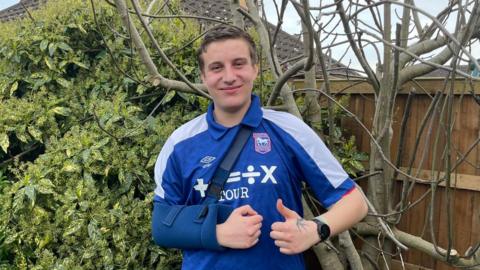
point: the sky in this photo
(6, 3)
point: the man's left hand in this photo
(295, 234)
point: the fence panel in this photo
(465, 199)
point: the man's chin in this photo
(233, 108)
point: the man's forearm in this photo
(347, 212)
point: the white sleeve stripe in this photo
(186, 131)
(311, 143)
(160, 166)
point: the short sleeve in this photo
(313, 161)
(167, 177)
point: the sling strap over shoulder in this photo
(194, 226)
(223, 171)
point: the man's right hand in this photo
(241, 230)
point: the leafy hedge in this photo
(79, 139)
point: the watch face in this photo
(324, 231)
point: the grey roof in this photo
(442, 73)
(18, 10)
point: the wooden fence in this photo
(465, 132)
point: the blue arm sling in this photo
(194, 226)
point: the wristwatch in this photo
(323, 229)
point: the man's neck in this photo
(228, 119)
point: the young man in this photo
(265, 230)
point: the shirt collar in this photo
(252, 118)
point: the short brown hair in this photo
(224, 32)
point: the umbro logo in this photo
(207, 161)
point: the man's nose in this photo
(229, 76)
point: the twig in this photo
(162, 54)
(189, 43)
(27, 11)
(438, 24)
(388, 232)
(423, 124)
(403, 127)
(371, 75)
(302, 11)
(280, 18)
(366, 176)
(8, 161)
(101, 127)
(429, 63)
(374, 141)
(115, 63)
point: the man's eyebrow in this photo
(215, 63)
(240, 59)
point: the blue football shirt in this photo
(281, 153)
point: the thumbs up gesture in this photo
(295, 234)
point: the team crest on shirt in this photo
(262, 143)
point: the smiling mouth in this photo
(231, 88)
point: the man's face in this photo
(228, 73)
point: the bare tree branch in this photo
(173, 16)
(280, 18)
(416, 19)
(424, 62)
(150, 6)
(423, 246)
(155, 77)
(363, 62)
(237, 18)
(351, 253)
(303, 12)
(286, 93)
(474, 23)
(142, 50)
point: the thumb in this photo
(285, 211)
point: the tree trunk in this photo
(379, 185)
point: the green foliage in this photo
(4, 248)
(350, 158)
(343, 146)
(78, 145)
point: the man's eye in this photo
(215, 68)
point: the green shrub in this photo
(4, 248)
(77, 143)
